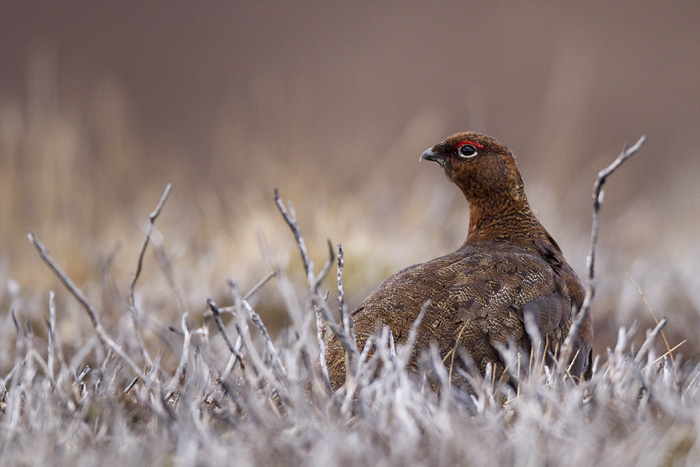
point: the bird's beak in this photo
(429, 155)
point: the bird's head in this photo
(479, 165)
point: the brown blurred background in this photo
(103, 103)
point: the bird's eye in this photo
(467, 150)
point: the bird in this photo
(508, 272)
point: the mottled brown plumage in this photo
(508, 267)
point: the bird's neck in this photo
(506, 219)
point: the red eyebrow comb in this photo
(462, 143)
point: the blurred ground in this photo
(102, 104)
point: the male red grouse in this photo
(508, 267)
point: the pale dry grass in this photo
(254, 401)
(82, 178)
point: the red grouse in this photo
(509, 267)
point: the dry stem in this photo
(89, 309)
(590, 259)
(222, 330)
(318, 301)
(139, 266)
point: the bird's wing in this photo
(494, 291)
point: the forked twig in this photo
(590, 259)
(85, 303)
(318, 301)
(291, 220)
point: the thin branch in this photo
(133, 309)
(348, 344)
(326, 268)
(255, 317)
(130, 385)
(152, 218)
(590, 259)
(319, 304)
(251, 292)
(222, 330)
(259, 285)
(320, 330)
(85, 303)
(179, 375)
(67, 282)
(51, 324)
(55, 352)
(291, 219)
(345, 317)
(262, 369)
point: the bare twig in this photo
(106, 340)
(345, 318)
(180, 372)
(261, 370)
(585, 310)
(222, 330)
(342, 335)
(320, 329)
(291, 219)
(326, 268)
(51, 324)
(259, 285)
(139, 266)
(152, 218)
(130, 385)
(318, 301)
(251, 292)
(54, 350)
(320, 304)
(255, 317)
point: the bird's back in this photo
(480, 295)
